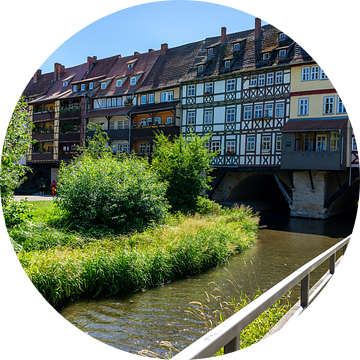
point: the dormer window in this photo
(282, 36)
(200, 68)
(227, 63)
(236, 47)
(103, 86)
(130, 66)
(91, 86)
(132, 81)
(266, 56)
(210, 51)
(118, 83)
(282, 53)
(82, 87)
(75, 88)
(131, 63)
(65, 83)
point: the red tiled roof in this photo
(40, 87)
(314, 125)
(109, 112)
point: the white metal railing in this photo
(227, 334)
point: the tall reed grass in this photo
(63, 265)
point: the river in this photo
(141, 320)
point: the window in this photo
(334, 141)
(266, 140)
(227, 63)
(262, 80)
(321, 143)
(130, 65)
(278, 143)
(149, 121)
(210, 51)
(124, 124)
(132, 81)
(82, 87)
(236, 47)
(208, 119)
(151, 98)
(266, 56)
(282, 36)
(191, 118)
(250, 143)
(305, 74)
(314, 73)
(303, 106)
(230, 115)
(282, 54)
(230, 85)
(253, 80)
(209, 88)
(323, 76)
(200, 68)
(143, 122)
(353, 145)
(118, 101)
(111, 125)
(103, 86)
(279, 77)
(65, 83)
(328, 105)
(268, 113)
(103, 103)
(169, 120)
(75, 88)
(247, 112)
(167, 96)
(108, 102)
(143, 99)
(113, 102)
(230, 147)
(191, 90)
(279, 110)
(215, 146)
(341, 107)
(258, 111)
(144, 147)
(158, 120)
(91, 86)
(270, 79)
(124, 147)
(118, 83)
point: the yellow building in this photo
(318, 123)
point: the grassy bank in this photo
(64, 264)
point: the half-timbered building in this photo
(239, 90)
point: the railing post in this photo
(232, 345)
(332, 263)
(305, 284)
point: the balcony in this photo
(119, 134)
(69, 113)
(72, 136)
(312, 160)
(43, 116)
(43, 136)
(37, 157)
(148, 133)
(66, 156)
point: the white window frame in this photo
(279, 109)
(323, 76)
(230, 115)
(269, 111)
(329, 105)
(303, 106)
(282, 54)
(230, 147)
(200, 68)
(209, 88)
(258, 111)
(167, 96)
(353, 144)
(262, 80)
(305, 73)
(143, 99)
(230, 85)
(169, 120)
(190, 118)
(208, 116)
(143, 122)
(113, 102)
(247, 112)
(282, 36)
(266, 56)
(118, 101)
(133, 81)
(227, 63)
(157, 120)
(279, 77)
(210, 51)
(253, 80)
(82, 87)
(236, 47)
(118, 83)
(315, 73)
(250, 143)
(151, 98)
(191, 90)
(215, 145)
(340, 106)
(266, 143)
(321, 142)
(108, 102)
(334, 141)
(75, 88)
(270, 79)
(91, 86)
(278, 142)
(103, 86)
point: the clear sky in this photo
(147, 26)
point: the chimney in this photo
(164, 48)
(136, 53)
(37, 76)
(151, 50)
(90, 62)
(223, 34)
(58, 70)
(257, 27)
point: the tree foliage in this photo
(117, 191)
(17, 141)
(184, 164)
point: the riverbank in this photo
(63, 265)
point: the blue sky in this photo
(147, 26)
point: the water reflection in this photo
(140, 320)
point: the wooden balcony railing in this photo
(35, 157)
(148, 133)
(43, 116)
(70, 136)
(119, 134)
(67, 113)
(43, 137)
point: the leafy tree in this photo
(17, 141)
(114, 191)
(184, 164)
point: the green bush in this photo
(115, 192)
(16, 212)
